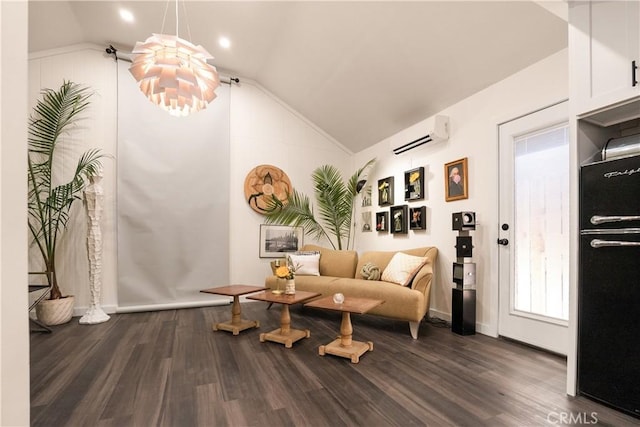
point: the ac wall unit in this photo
(439, 133)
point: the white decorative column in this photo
(94, 203)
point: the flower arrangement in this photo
(287, 270)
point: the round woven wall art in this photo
(264, 182)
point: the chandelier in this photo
(173, 73)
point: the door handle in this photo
(503, 242)
(634, 70)
(597, 243)
(598, 219)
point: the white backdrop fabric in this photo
(173, 199)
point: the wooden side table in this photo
(285, 334)
(344, 345)
(237, 324)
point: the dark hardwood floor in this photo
(169, 368)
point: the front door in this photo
(534, 229)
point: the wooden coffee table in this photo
(284, 334)
(344, 346)
(236, 324)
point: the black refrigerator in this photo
(609, 284)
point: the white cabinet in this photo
(604, 44)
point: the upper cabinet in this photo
(604, 44)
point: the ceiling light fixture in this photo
(224, 42)
(126, 15)
(173, 73)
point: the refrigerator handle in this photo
(597, 243)
(598, 219)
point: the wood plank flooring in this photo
(169, 368)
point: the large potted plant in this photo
(335, 202)
(49, 203)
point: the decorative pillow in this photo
(402, 268)
(370, 271)
(305, 263)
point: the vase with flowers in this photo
(286, 271)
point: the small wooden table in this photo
(344, 346)
(284, 334)
(236, 324)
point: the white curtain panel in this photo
(173, 201)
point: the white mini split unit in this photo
(439, 133)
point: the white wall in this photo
(473, 124)
(14, 328)
(263, 131)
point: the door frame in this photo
(500, 233)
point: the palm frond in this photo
(334, 206)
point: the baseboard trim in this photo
(481, 328)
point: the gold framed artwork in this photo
(456, 180)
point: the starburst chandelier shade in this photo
(173, 73)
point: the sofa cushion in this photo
(335, 263)
(402, 268)
(305, 263)
(382, 258)
(370, 271)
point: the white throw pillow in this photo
(402, 268)
(306, 264)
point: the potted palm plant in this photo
(335, 202)
(49, 203)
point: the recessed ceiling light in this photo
(126, 15)
(224, 42)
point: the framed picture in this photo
(455, 178)
(366, 196)
(414, 184)
(366, 221)
(385, 191)
(275, 240)
(382, 221)
(398, 219)
(418, 218)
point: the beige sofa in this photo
(340, 271)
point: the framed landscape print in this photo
(276, 240)
(385, 191)
(456, 181)
(418, 218)
(414, 184)
(398, 224)
(382, 221)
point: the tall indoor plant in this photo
(335, 202)
(53, 118)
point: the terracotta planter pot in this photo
(55, 311)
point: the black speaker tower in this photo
(463, 298)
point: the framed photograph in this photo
(366, 221)
(366, 196)
(418, 218)
(382, 221)
(414, 184)
(455, 178)
(276, 240)
(398, 219)
(385, 191)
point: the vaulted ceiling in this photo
(361, 71)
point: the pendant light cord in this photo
(166, 8)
